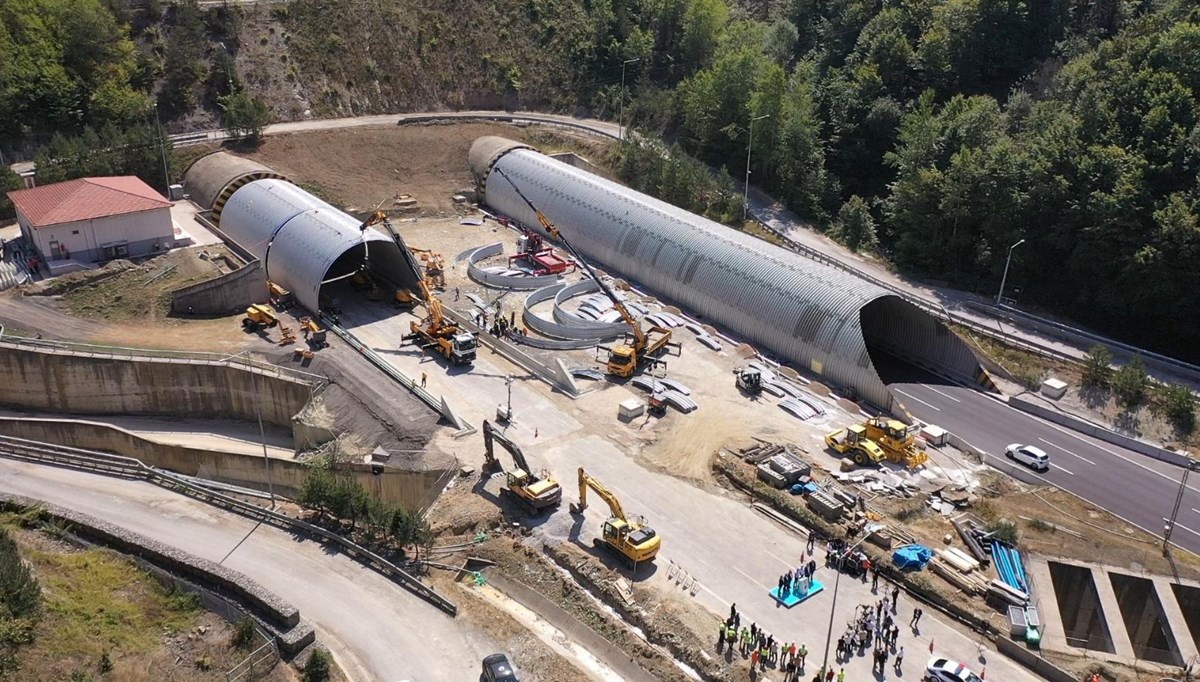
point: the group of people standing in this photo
(762, 649)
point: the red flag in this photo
(931, 646)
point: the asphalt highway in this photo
(1138, 488)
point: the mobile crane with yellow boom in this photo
(632, 539)
(643, 348)
(434, 331)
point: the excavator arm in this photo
(552, 230)
(585, 482)
(492, 434)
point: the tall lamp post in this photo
(749, 146)
(1192, 465)
(163, 150)
(867, 531)
(1004, 279)
(621, 111)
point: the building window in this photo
(116, 251)
(74, 231)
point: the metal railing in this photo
(257, 663)
(128, 467)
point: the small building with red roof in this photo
(94, 219)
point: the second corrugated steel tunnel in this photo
(820, 319)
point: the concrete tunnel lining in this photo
(823, 320)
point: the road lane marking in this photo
(1196, 510)
(1180, 525)
(1067, 451)
(1083, 440)
(785, 562)
(1060, 468)
(751, 579)
(944, 395)
(905, 393)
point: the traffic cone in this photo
(931, 646)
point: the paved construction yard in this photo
(712, 538)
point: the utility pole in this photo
(1004, 279)
(867, 531)
(621, 104)
(749, 147)
(262, 433)
(162, 148)
(1170, 523)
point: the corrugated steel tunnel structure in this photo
(302, 242)
(213, 178)
(821, 319)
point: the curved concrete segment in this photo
(823, 320)
(305, 242)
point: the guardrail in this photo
(128, 467)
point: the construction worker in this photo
(842, 675)
(745, 641)
(764, 652)
(753, 660)
(423, 379)
(802, 653)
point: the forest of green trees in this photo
(941, 132)
(936, 133)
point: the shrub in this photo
(1004, 530)
(1177, 404)
(1041, 526)
(243, 633)
(317, 667)
(1096, 367)
(1130, 383)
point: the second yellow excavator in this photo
(632, 539)
(532, 490)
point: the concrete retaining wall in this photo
(1097, 431)
(56, 380)
(292, 635)
(414, 489)
(226, 294)
(1040, 666)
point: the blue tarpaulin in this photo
(912, 557)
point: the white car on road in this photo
(1030, 456)
(945, 670)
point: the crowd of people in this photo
(874, 626)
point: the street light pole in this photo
(163, 150)
(1004, 279)
(621, 104)
(1170, 525)
(262, 434)
(749, 146)
(867, 531)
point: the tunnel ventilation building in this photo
(823, 320)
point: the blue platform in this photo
(792, 598)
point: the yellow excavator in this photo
(643, 348)
(632, 539)
(534, 492)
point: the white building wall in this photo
(85, 240)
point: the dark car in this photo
(496, 668)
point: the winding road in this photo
(375, 629)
